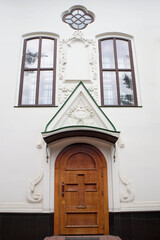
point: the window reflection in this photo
(47, 53)
(117, 76)
(126, 88)
(107, 54)
(109, 88)
(45, 88)
(31, 56)
(38, 70)
(123, 54)
(29, 87)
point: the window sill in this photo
(125, 106)
(35, 106)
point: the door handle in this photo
(62, 189)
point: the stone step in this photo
(100, 237)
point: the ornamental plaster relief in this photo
(88, 63)
(80, 109)
(32, 196)
(129, 194)
(81, 114)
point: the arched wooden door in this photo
(81, 199)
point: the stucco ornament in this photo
(31, 195)
(81, 114)
(129, 194)
(80, 109)
(67, 85)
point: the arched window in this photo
(37, 87)
(117, 72)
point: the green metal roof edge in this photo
(68, 100)
(99, 108)
(62, 106)
(81, 126)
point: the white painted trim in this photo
(23, 207)
(46, 185)
(140, 206)
(114, 34)
(20, 207)
(32, 34)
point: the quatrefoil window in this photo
(78, 17)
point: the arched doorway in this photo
(81, 192)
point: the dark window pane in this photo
(46, 87)
(123, 54)
(126, 88)
(109, 88)
(31, 56)
(29, 87)
(47, 53)
(107, 54)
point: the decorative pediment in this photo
(80, 113)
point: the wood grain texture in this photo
(82, 208)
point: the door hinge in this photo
(103, 226)
(101, 174)
(102, 192)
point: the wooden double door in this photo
(81, 199)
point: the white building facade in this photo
(79, 73)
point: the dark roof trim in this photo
(80, 133)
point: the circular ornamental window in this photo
(78, 17)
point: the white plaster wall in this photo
(21, 127)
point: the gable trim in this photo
(80, 83)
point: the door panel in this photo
(81, 192)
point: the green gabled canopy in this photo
(80, 115)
